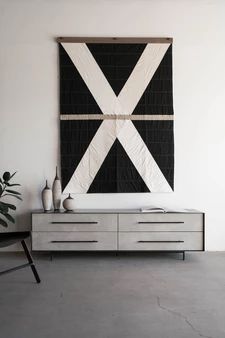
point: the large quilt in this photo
(116, 116)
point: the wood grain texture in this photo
(74, 222)
(159, 241)
(77, 241)
(161, 222)
(114, 39)
(118, 231)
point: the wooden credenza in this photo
(117, 230)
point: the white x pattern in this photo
(109, 130)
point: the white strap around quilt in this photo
(109, 130)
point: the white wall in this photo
(29, 111)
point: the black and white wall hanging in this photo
(116, 115)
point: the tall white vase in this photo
(56, 192)
(46, 197)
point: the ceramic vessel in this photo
(56, 192)
(46, 197)
(68, 203)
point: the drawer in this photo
(66, 241)
(74, 222)
(161, 222)
(159, 241)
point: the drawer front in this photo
(160, 241)
(161, 222)
(74, 222)
(65, 241)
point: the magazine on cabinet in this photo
(159, 209)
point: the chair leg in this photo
(30, 260)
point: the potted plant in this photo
(5, 190)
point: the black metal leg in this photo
(14, 269)
(183, 255)
(30, 260)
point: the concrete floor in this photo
(104, 296)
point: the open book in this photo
(154, 209)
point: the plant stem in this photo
(3, 189)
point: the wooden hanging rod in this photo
(113, 40)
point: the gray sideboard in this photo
(118, 230)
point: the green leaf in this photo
(2, 222)
(9, 218)
(13, 192)
(10, 206)
(13, 175)
(3, 208)
(19, 198)
(6, 176)
(11, 185)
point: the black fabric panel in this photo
(116, 61)
(158, 96)
(117, 174)
(158, 137)
(75, 97)
(75, 139)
